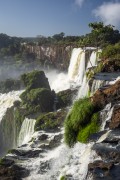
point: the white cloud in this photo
(79, 2)
(109, 13)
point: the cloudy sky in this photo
(28, 18)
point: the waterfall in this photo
(27, 129)
(74, 64)
(93, 60)
(81, 70)
(7, 122)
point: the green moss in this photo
(63, 178)
(35, 79)
(88, 130)
(37, 100)
(50, 120)
(77, 119)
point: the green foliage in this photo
(50, 121)
(101, 35)
(63, 178)
(111, 51)
(77, 119)
(35, 79)
(88, 130)
(37, 100)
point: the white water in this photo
(7, 100)
(75, 60)
(76, 72)
(7, 126)
(97, 84)
(93, 60)
(27, 130)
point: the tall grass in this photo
(77, 120)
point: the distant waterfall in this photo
(79, 64)
(73, 69)
(27, 129)
(93, 60)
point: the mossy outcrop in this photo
(65, 97)
(38, 96)
(35, 79)
(38, 100)
(50, 121)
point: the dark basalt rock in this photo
(12, 172)
(103, 170)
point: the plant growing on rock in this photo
(80, 118)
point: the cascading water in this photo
(75, 60)
(97, 84)
(27, 129)
(7, 124)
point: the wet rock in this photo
(13, 172)
(107, 151)
(115, 121)
(65, 97)
(103, 170)
(56, 141)
(105, 96)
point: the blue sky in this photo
(29, 18)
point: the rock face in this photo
(56, 56)
(108, 149)
(109, 94)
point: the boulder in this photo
(35, 79)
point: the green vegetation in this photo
(35, 79)
(37, 100)
(101, 35)
(63, 178)
(50, 121)
(111, 51)
(79, 117)
(88, 130)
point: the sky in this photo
(29, 18)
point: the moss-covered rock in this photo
(50, 121)
(38, 100)
(65, 97)
(35, 79)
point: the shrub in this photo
(77, 119)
